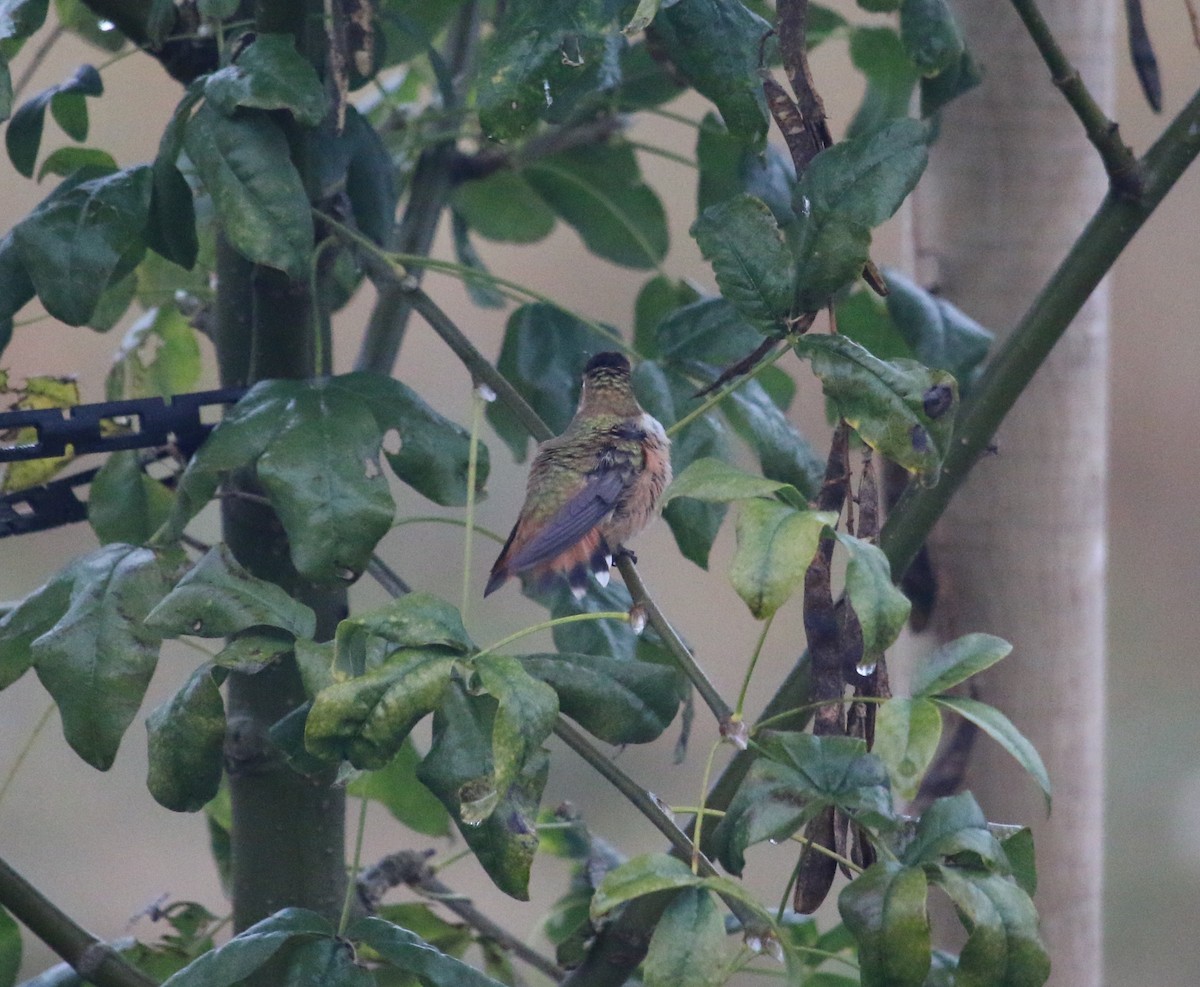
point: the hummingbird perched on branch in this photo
(591, 488)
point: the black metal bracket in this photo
(176, 425)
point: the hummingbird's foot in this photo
(625, 553)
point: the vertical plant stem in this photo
(477, 403)
(288, 835)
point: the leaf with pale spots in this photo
(218, 597)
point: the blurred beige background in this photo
(103, 849)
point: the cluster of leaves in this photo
(550, 82)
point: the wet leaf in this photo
(688, 948)
(598, 191)
(97, 659)
(885, 909)
(907, 732)
(956, 661)
(245, 164)
(885, 402)
(269, 74)
(366, 719)
(82, 238)
(775, 545)
(219, 597)
(186, 739)
(619, 700)
(882, 610)
(753, 266)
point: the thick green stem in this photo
(288, 836)
(95, 961)
(429, 192)
(1010, 371)
(1119, 161)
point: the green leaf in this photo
(16, 288)
(801, 776)
(775, 545)
(10, 949)
(1003, 948)
(315, 444)
(245, 164)
(542, 55)
(82, 238)
(643, 875)
(479, 288)
(247, 952)
(658, 298)
(252, 650)
(20, 18)
(434, 451)
(689, 943)
(65, 160)
(830, 251)
(186, 744)
(863, 317)
(882, 610)
(269, 74)
(86, 24)
(503, 207)
(24, 134)
(459, 771)
(729, 168)
(1018, 848)
(159, 357)
(29, 620)
(368, 177)
(124, 504)
(907, 732)
(415, 620)
(542, 357)
(525, 715)
(887, 404)
(613, 638)
(396, 787)
(97, 659)
(715, 45)
(219, 597)
(598, 190)
(411, 954)
(718, 482)
(366, 719)
(866, 178)
(710, 328)
(1000, 728)
(954, 830)
(753, 266)
(783, 453)
(668, 396)
(171, 228)
(931, 35)
(891, 76)
(956, 661)
(619, 700)
(329, 962)
(885, 909)
(939, 334)
(645, 82)
(948, 85)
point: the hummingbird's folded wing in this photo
(579, 515)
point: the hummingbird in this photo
(591, 488)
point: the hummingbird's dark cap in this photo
(607, 361)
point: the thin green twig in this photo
(1122, 167)
(25, 749)
(352, 880)
(477, 403)
(548, 624)
(769, 360)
